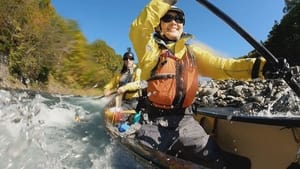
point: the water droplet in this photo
(229, 117)
(205, 152)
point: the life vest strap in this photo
(162, 76)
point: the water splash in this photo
(38, 131)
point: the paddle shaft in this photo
(288, 77)
(100, 97)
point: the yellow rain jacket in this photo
(131, 89)
(209, 65)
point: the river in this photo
(39, 131)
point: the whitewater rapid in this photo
(39, 131)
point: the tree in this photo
(290, 4)
(27, 38)
(284, 38)
(35, 42)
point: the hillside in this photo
(9, 82)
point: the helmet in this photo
(128, 55)
(177, 10)
(173, 9)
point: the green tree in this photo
(27, 38)
(36, 42)
(104, 63)
(289, 4)
(284, 38)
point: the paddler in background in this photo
(121, 83)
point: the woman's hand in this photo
(120, 90)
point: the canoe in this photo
(149, 158)
(121, 131)
(269, 142)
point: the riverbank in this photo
(8, 81)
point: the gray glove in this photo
(276, 70)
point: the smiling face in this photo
(171, 26)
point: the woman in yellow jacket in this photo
(122, 82)
(172, 67)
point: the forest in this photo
(40, 48)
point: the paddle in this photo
(101, 96)
(140, 84)
(287, 72)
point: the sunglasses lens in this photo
(169, 18)
(130, 58)
(179, 19)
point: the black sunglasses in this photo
(128, 58)
(169, 18)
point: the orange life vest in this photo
(173, 82)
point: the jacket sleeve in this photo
(113, 83)
(135, 85)
(141, 34)
(220, 68)
(138, 72)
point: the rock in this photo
(250, 96)
(7, 81)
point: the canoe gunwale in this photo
(229, 114)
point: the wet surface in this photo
(39, 131)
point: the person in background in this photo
(171, 65)
(122, 82)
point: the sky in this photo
(110, 21)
